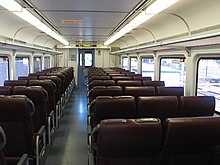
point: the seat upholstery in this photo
(5, 90)
(101, 83)
(16, 120)
(105, 91)
(192, 106)
(170, 91)
(190, 140)
(160, 107)
(38, 95)
(137, 91)
(13, 83)
(128, 142)
(113, 107)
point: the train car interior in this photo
(109, 82)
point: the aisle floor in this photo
(70, 144)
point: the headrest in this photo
(15, 108)
(191, 134)
(35, 93)
(129, 138)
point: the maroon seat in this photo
(27, 77)
(101, 83)
(5, 90)
(105, 91)
(190, 140)
(16, 119)
(160, 107)
(153, 83)
(124, 83)
(13, 83)
(193, 106)
(170, 91)
(37, 74)
(108, 107)
(38, 95)
(128, 142)
(117, 78)
(50, 87)
(137, 91)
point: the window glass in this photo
(125, 63)
(147, 67)
(22, 66)
(88, 59)
(173, 71)
(208, 79)
(4, 70)
(37, 64)
(134, 64)
(46, 62)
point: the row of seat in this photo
(162, 107)
(30, 112)
(124, 83)
(147, 141)
(135, 91)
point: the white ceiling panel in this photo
(99, 17)
(91, 5)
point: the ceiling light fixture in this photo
(149, 12)
(26, 15)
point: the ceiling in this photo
(88, 20)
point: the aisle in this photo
(70, 145)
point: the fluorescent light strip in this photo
(155, 8)
(23, 13)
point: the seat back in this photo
(38, 95)
(58, 83)
(50, 87)
(117, 78)
(190, 140)
(137, 91)
(160, 107)
(192, 106)
(124, 83)
(16, 119)
(27, 77)
(170, 91)
(13, 83)
(153, 83)
(101, 83)
(128, 141)
(113, 107)
(105, 91)
(5, 90)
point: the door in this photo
(86, 60)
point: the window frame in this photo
(170, 57)
(130, 62)
(8, 60)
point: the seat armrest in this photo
(24, 160)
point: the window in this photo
(46, 62)
(4, 67)
(173, 71)
(37, 64)
(208, 79)
(88, 59)
(134, 64)
(125, 63)
(22, 66)
(147, 67)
